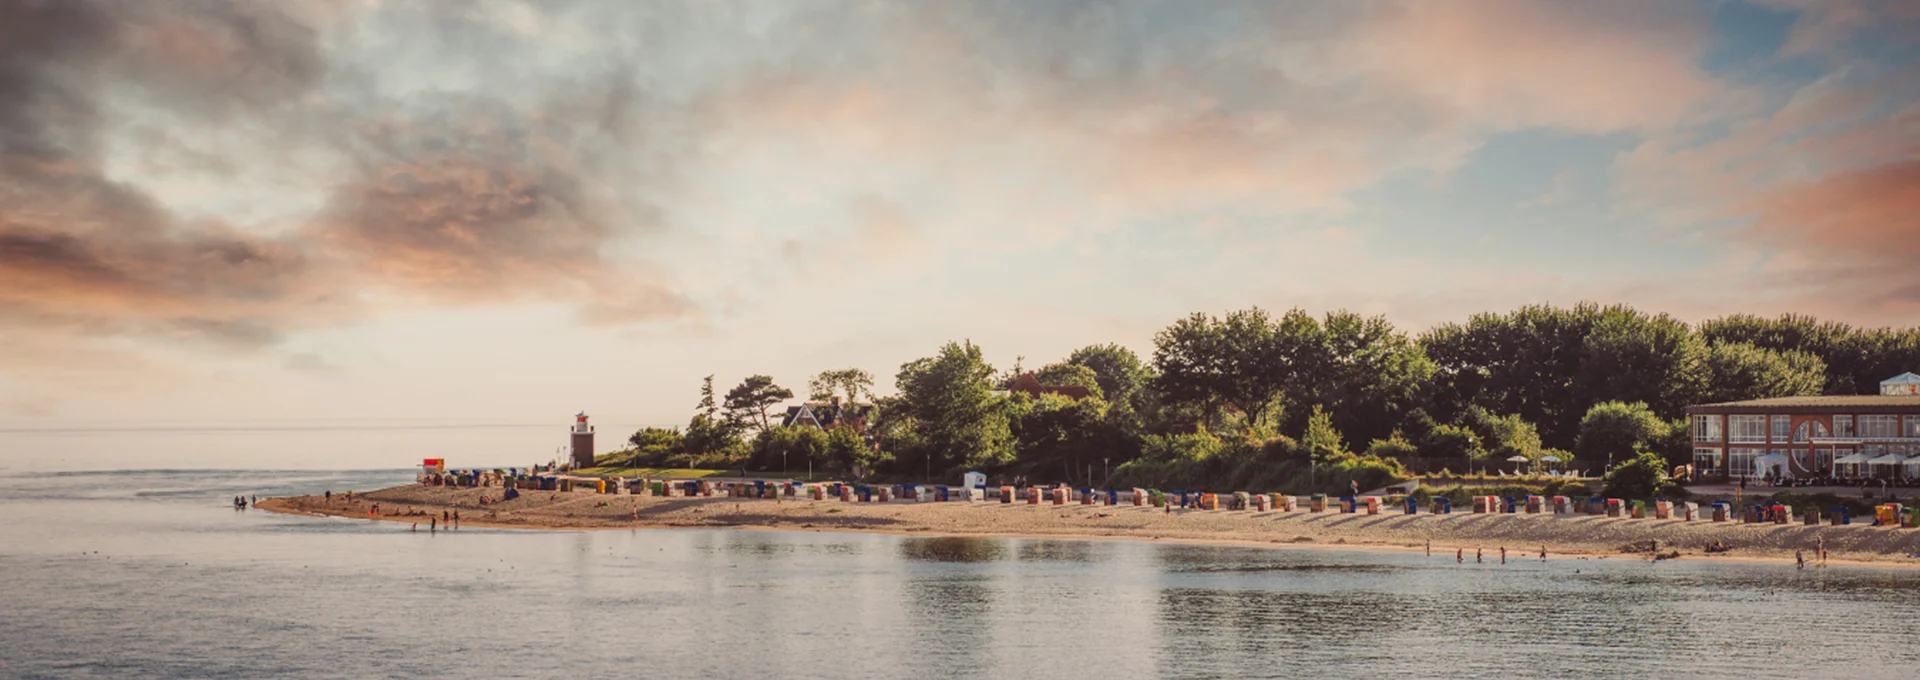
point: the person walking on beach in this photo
(329, 495)
(1503, 554)
(1429, 547)
(1820, 549)
(456, 519)
(1479, 556)
(1543, 553)
(433, 524)
(1799, 560)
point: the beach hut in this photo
(1662, 509)
(1596, 505)
(1413, 505)
(1615, 507)
(1242, 500)
(1910, 519)
(1262, 503)
(1535, 504)
(886, 494)
(1373, 505)
(1209, 501)
(1442, 505)
(1282, 503)
(1347, 505)
(1782, 514)
(1839, 516)
(1638, 510)
(1689, 511)
(976, 494)
(1481, 504)
(1886, 514)
(1562, 505)
(974, 480)
(1113, 497)
(1509, 504)
(1139, 496)
(1033, 495)
(1317, 503)
(1006, 494)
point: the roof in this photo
(1907, 378)
(1892, 403)
(825, 415)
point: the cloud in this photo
(442, 198)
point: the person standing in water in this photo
(1479, 555)
(1543, 553)
(1503, 554)
(1460, 556)
(1429, 547)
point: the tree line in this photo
(1251, 400)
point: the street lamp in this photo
(1106, 479)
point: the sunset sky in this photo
(356, 210)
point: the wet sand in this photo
(1523, 535)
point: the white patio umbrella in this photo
(1518, 459)
(1550, 459)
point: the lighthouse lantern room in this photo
(582, 434)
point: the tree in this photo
(852, 383)
(955, 420)
(708, 436)
(1633, 357)
(1070, 374)
(1394, 447)
(1737, 371)
(1058, 434)
(1117, 369)
(1360, 369)
(847, 450)
(1503, 436)
(1616, 430)
(1322, 442)
(1452, 442)
(1219, 363)
(1644, 476)
(752, 397)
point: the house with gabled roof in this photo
(827, 414)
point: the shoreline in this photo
(1563, 537)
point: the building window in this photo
(1706, 460)
(1747, 429)
(1843, 426)
(1803, 459)
(1879, 426)
(1780, 426)
(1706, 428)
(1823, 460)
(1912, 428)
(1740, 460)
(1802, 433)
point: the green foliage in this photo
(748, 402)
(1739, 371)
(1451, 443)
(852, 383)
(1641, 477)
(1058, 435)
(1323, 443)
(1503, 437)
(1070, 374)
(1613, 431)
(1117, 370)
(947, 414)
(1394, 447)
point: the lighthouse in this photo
(582, 442)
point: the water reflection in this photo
(953, 549)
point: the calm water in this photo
(152, 574)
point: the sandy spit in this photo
(1524, 536)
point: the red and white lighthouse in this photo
(582, 442)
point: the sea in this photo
(151, 573)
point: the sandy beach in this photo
(1523, 535)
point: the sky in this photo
(506, 212)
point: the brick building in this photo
(1841, 436)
